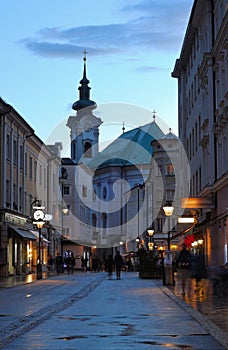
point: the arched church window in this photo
(104, 220)
(73, 149)
(94, 194)
(104, 192)
(94, 220)
(87, 149)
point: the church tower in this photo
(84, 125)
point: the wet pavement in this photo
(203, 298)
(89, 311)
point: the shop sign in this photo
(15, 219)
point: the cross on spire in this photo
(85, 53)
(123, 128)
(154, 116)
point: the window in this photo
(169, 194)
(159, 224)
(169, 169)
(14, 197)
(66, 232)
(21, 157)
(193, 142)
(104, 192)
(30, 167)
(54, 182)
(8, 147)
(25, 201)
(94, 194)
(26, 164)
(104, 220)
(14, 152)
(196, 136)
(87, 149)
(20, 198)
(7, 192)
(66, 190)
(40, 174)
(94, 220)
(73, 149)
(30, 200)
(159, 170)
(158, 195)
(35, 170)
(45, 177)
(84, 191)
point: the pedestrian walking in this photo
(184, 263)
(198, 269)
(118, 260)
(50, 263)
(72, 263)
(59, 263)
(68, 260)
(109, 266)
(84, 262)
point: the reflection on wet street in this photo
(201, 297)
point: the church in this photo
(109, 193)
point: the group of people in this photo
(116, 263)
(66, 262)
(190, 266)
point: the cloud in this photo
(67, 50)
(148, 69)
(149, 25)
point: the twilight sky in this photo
(132, 47)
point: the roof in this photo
(131, 147)
(67, 161)
(169, 136)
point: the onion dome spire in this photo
(84, 92)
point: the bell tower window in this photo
(87, 149)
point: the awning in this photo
(182, 232)
(27, 234)
(37, 236)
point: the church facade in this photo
(110, 192)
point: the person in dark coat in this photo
(109, 266)
(184, 263)
(198, 269)
(59, 263)
(118, 260)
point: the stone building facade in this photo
(29, 172)
(202, 71)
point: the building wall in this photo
(201, 71)
(29, 171)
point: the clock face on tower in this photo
(38, 214)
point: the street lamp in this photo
(168, 210)
(39, 223)
(64, 212)
(150, 243)
(168, 276)
(137, 242)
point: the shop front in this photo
(18, 245)
(21, 250)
